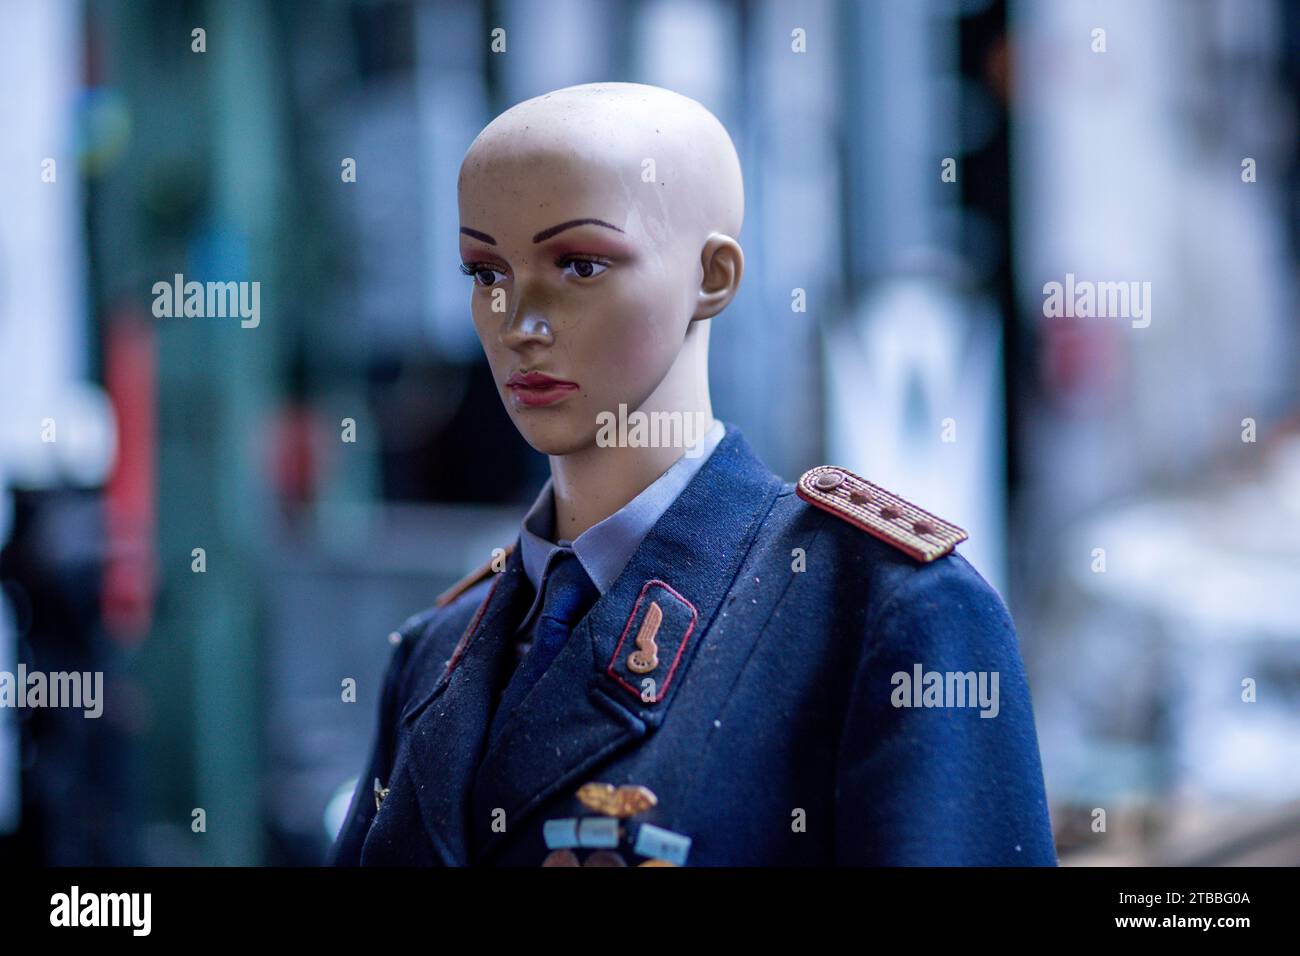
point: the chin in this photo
(554, 435)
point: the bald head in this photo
(668, 155)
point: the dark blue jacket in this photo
(771, 732)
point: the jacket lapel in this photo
(590, 704)
(447, 728)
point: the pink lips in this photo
(536, 389)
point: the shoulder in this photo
(454, 605)
(425, 642)
(892, 560)
(944, 610)
(868, 528)
(904, 601)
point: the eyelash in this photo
(472, 269)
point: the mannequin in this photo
(735, 687)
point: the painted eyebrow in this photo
(547, 233)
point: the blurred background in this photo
(915, 173)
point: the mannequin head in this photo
(598, 224)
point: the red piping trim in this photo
(463, 643)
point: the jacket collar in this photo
(605, 548)
(587, 706)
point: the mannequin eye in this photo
(581, 268)
(483, 275)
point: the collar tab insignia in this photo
(653, 642)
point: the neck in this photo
(592, 484)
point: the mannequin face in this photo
(581, 298)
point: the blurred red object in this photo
(130, 572)
(1082, 363)
(294, 463)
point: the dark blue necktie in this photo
(569, 593)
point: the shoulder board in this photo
(878, 512)
(480, 573)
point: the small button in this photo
(660, 844)
(560, 834)
(828, 480)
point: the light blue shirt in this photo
(605, 548)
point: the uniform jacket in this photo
(770, 730)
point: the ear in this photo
(724, 264)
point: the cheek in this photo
(639, 340)
(485, 322)
(626, 362)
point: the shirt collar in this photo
(605, 548)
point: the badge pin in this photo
(605, 834)
(598, 832)
(380, 792)
(560, 834)
(621, 802)
(660, 844)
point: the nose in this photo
(526, 324)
